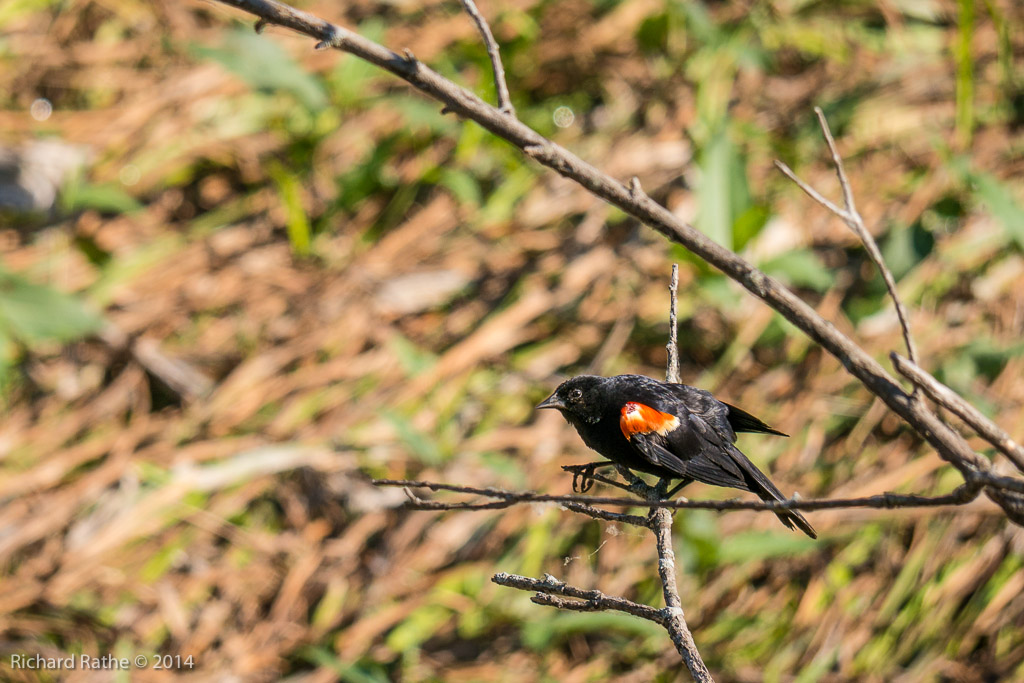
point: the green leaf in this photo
(34, 313)
(724, 190)
(297, 222)
(1001, 204)
(538, 635)
(413, 359)
(419, 626)
(264, 65)
(105, 198)
(715, 218)
(965, 71)
(462, 185)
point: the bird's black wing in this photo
(724, 417)
(655, 449)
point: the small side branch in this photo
(949, 399)
(605, 515)
(500, 86)
(855, 222)
(554, 593)
(672, 375)
(550, 591)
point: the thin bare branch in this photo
(500, 86)
(962, 495)
(673, 327)
(949, 399)
(604, 515)
(675, 623)
(595, 600)
(855, 222)
(417, 503)
(660, 523)
(810, 191)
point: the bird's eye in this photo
(575, 395)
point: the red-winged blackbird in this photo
(672, 430)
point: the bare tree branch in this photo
(595, 600)
(604, 515)
(675, 623)
(977, 471)
(504, 100)
(661, 519)
(962, 495)
(417, 503)
(855, 222)
(550, 591)
(949, 399)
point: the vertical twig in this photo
(504, 99)
(661, 523)
(675, 623)
(672, 374)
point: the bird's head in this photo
(578, 399)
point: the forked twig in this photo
(500, 86)
(855, 222)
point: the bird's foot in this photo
(583, 475)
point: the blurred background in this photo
(237, 275)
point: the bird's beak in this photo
(551, 401)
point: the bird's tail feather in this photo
(768, 492)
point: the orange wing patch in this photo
(640, 419)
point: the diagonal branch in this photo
(500, 86)
(947, 398)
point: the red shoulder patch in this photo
(638, 418)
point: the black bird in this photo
(674, 431)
